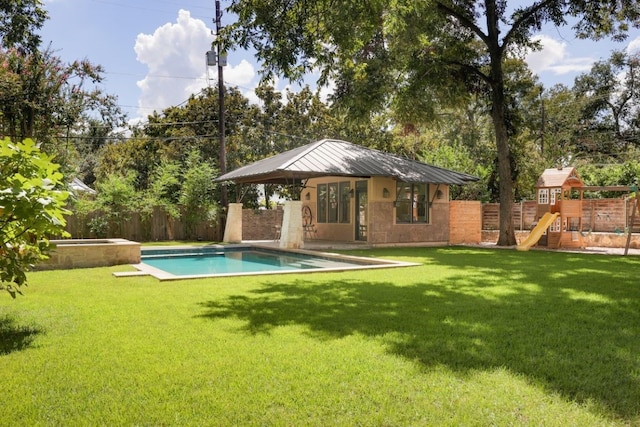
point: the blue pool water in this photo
(240, 261)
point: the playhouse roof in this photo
(331, 157)
(559, 177)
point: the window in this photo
(411, 203)
(555, 195)
(345, 202)
(322, 203)
(334, 202)
(543, 196)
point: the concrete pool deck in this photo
(354, 262)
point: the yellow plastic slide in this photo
(544, 223)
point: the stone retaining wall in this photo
(591, 239)
(85, 253)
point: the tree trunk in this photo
(507, 236)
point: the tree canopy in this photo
(19, 22)
(416, 57)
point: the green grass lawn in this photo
(472, 337)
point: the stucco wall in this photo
(381, 225)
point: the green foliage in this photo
(32, 200)
(115, 201)
(19, 22)
(627, 173)
(164, 189)
(42, 97)
(196, 195)
(45, 98)
(610, 104)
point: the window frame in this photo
(334, 202)
(321, 215)
(344, 204)
(543, 196)
(415, 207)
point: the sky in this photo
(153, 51)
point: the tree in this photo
(19, 20)
(32, 200)
(415, 57)
(139, 155)
(115, 202)
(43, 98)
(559, 117)
(163, 193)
(40, 96)
(610, 113)
(196, 195)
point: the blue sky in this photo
(153, 51)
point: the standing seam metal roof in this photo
(331, 157)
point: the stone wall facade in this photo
(86, 253)
(260, 224)
(591, 239)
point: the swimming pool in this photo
(238, 260)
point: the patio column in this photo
(291, 237)
(233, 229)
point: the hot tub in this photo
(83, 253)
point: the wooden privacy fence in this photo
(257, 225)
(158, 227)
(598, 215)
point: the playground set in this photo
(560, 192)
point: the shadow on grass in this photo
(569, 323)
(14, 337)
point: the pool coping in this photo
(365, 263)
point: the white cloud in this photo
(242, 75)
(634, 46)
(175, 57)
(555, 58)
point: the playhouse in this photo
(559, 210)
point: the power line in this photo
(149, 9)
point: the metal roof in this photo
(79, 186)
(331, 157)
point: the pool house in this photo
(351, 193)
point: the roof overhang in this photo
(340, 158)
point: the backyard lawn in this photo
(471, 337)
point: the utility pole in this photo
(542, 126)
(221, 110)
